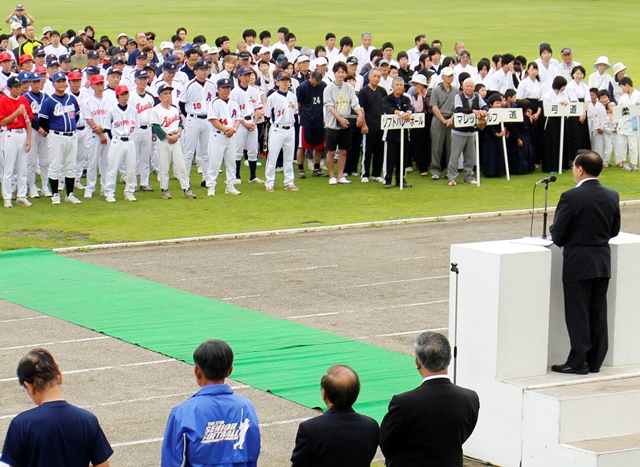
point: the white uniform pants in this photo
(38, 157)
(97, 159)
(279, 138)
(221, 149)
(121, 151)
(168, 154)
(142, 140)
(62, 155)
(195, 140)
(15, 155)
(627, 144)
(248, 140)
(82, 155)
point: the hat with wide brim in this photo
(602, 60)
(618, 67)
(419, 79)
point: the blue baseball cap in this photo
(64, 58)
(164, 87)
(284, 75)
(92, 70)
(141, 74)
(112, 70)
(170, 66)
(224, 83)
(38, 51)
(35, 76)
(59, 77)
(93, 54)
(244, 70)
(24, 76)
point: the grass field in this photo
(591, 28)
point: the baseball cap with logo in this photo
(384, 61)
(53, 62)
(200, 65)
(95, 79)
(24, 58)
(64, 58)
(38, 51)
(244, 56)
(5, 57)
(112, 70)
(75, 75)
(24, 76)
(93, 55)
(19, 7)
(566, 51)
(92, 70)
(353, 60)
(172, 58)
(224, 83)
(169, 66)
(117, 60)
(59, 77)
(35, 76)
(164, 87)
(284, 75)
(40, 69)
(244, 70)
(122, 89)
(141, 74)
(13, 81)
(15, 25)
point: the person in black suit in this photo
(587, 217)
(340, 437)
(426, 427)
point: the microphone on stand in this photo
(547, 180)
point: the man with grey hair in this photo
(427, 426)
(363, 52)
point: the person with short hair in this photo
(414, 53)
(428, 425)
(551, 137)
(215, 427)
(363, 51)
(600, 79)
(55, 432)
(442, 104)
(312, 134)
(340, 436)
(397, 103)
(627, 139)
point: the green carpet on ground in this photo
(271, 354)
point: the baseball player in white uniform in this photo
(224, 115)
(121, 121)
(80, 93)
(194, 104)
(95, 111)
(281, 110)
(167, 126)
(143, 102)
(38, 156)
(250, 105)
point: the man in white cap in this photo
(599, 79)
(16, 30)
(443, 104)
(567, 64)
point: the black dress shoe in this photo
(566, 369)
(594, 370)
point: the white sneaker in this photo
(46, 192)
(279, 169)
(246, 163)
(199, 169)
(7, 203)
(237, 181)
(78, 185)
(344, 181)
(24, 202)
(72, 199)
(323, 165)
(258, 163)
(110, 199)
(231, 191)
(310, 165)
(211, 191)
(87, 194)
(333, 181)
(55, 199)
(128, 197)
(33, 192)
(364, 179)
(256, 180)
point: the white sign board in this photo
(396, 122)
(461, 120)
(497, 116)
(572, 109)
(620, 111)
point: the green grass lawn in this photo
(317, 203)
(591, 28)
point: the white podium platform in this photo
(510, 329)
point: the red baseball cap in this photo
(97, 79)
(121, 89)
(24, 58)
(75, 75)
(5, 57)
(42, 70)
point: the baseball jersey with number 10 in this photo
(197, 96)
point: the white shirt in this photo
(143, 105)
(291, 54)
(547, 75)
(122, 123)
(226, 112)
(599, 81)
(282, 108)
(576, 91)
(624, 124)
(596, 114)
(565, 70)
(57, 51)
(529, 89)
(502, 81)
(363, 55)
(331, 54)
(414, 55)
(465, 69)
(96, 108)
(168, 119)
(197, 97)
(248, 100)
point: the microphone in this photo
(548, 180)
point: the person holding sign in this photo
(400, 104)
(627, 140)
(463, 139)
(577, 128)
(552, 125)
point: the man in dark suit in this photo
(340, 437)
(426, 427)
(587, 217)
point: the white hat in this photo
(46, 29)
(419, 79)
(618, 67)
(302, 58)
(205, 48)
(15, 25)
(122, 34)
(394, 64)
(213, 50)
(320, 61)
(80, 32)
(166, 45)
(447, 71)
(264, 50)
(602, 60)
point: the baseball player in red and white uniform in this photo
(194, 104)
(224, 115)
(82, 131)
(95, 112)
(121, 121)
(143, 102)
(281, 110)
(250, 105)
(16, 117)
(167, 126)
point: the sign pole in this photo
(504, 150)
(477, 136)
(561, 144)
(401, 158)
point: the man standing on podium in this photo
(586, 218)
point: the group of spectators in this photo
(216, 427)
(337, 94)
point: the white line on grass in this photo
(403, 333)
(373, 284)
(42, 344)
(271, 233)
(14, 320)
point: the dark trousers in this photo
(372, 154)
(585, 311)
(353, 153)
(393, 162)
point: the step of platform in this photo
(613, 451)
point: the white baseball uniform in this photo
(197, 97)
(122, 122)
(170, 122)
(143, 135)
(249, 102)
(220, 146)
(83, 133)
(96, 109)
(13, 145)
(38, 156)
(281, 110)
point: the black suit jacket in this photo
(586, 218)
(338, 438)
(426, 427)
